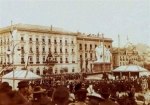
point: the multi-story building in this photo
(129, 54)
(37, 42)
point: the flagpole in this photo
(103, 53)
(119, 49)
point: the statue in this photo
(100, 56)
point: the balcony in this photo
(86, 50)
(22, 62)
(38, 62)
(43, 52)
(43, 43)
(61, 61)
(66, 44)
(67, 62)
(31, 52)
(30, 42)
(31, 62)
(73, 61)
(90, 50)
(61, 44)
(22, 41)
(37, 42)
(72, 44)
(80, 50)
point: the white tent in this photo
(130, 69)
(19, 75)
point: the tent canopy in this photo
(130, 68)
(21, 75)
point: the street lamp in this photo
(11, 53)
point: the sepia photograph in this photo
(74, 52)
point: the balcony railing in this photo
(61, 61)
(22, 62)
(31, 62)
(66, 61)
(30, 42)
(37, 62)
(73, 61)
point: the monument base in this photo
(99, 67)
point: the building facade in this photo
(37, 42)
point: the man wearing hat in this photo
(40, 96)
(105, 93)
(21, 95)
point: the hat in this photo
(23, 84)
(38, 89)
(95, 95)
(61, 95)
(5, 87)
(105, 90)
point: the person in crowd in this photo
(40, 97)
(60, 95)
(105, 93)
(21, 95)
(5, 93)
(94, 98)
(80, 94)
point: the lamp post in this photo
(13, 45)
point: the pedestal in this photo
(99, 67)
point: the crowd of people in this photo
(74, 91)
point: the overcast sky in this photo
(111, 17)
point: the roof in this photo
(35, 28)
(130, 68)
(21, 75)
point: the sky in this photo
(126, 18)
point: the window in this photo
(49, 49)
(66, 51)
(55, 50)
(31, 59)
(72, 51)
(31, 49)
(60, 41)
(66, 60)
(60, 50)
(22, 60)
(55, 42)
(73, 69)
(30, 39)
(37, 59)
(85, 55)
(95, 46)
(22, 49)
(43, 40)
(85, 46)
(43, 49)
(90, 46)
(22, 38)
(43, 58)
(37, 49)
(49, 40)
(72, 42)
(91, 56)
(80, 56)
(61, 60)
(65, 41)
(80, 46)
(37, 39)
